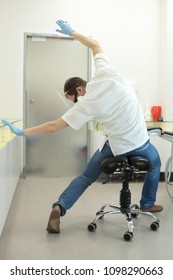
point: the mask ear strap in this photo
(75, 98)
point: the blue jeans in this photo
(93, 171)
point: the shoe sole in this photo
(148, 210)
(54, 222)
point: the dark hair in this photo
(71, 84)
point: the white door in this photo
(49, 62)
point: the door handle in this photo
(31, 101)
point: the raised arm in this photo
(88, 42)
(85, 40)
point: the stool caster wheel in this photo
(134, 215)
(154, 225)
(98, 213)
(92, 227)
(128, 235)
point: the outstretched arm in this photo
(45, 128)
(85, 40)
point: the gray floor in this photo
(24, 236)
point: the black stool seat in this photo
(129, 167)
(110, 165)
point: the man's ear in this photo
(80, 90)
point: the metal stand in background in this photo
(168, 136)
(168, 171)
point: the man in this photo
(109, 99)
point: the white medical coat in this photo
(110, 100)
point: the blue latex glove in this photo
(15, 130)
(65, 27)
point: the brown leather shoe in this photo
(54, 221)
(153, 209)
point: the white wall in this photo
(167, 56)
(10, 170)
(129, 31)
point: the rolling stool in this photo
(129, 168)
